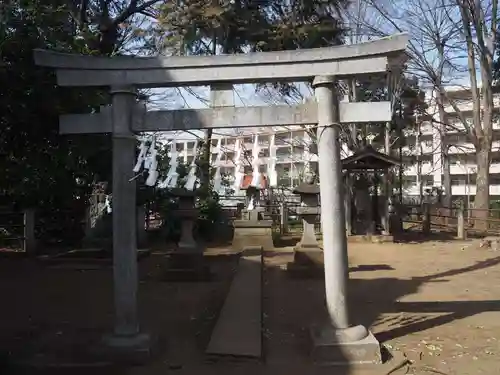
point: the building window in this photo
(494, 179)
(229, 156)
(463, 179)
(263, 140)
(284, 151)
(495, 158)
(427, 181)
(283, 181)
(281, 139)
(409, 179)
(264, 153)
(457, 181)
(226, 171)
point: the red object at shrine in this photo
(247, 180)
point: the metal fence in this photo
(12, 236)
(434, 217)
(283, 215)
(31, 230)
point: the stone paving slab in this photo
(238, 332)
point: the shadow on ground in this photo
(382, 295)
(56, 313)
(413, 236)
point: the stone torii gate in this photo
(321, 66)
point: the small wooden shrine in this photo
(367, 210)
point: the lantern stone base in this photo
(249, 233)
(343, 347)
(307, 262)
(308, 256)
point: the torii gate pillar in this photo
(337, 342)
(126, 336)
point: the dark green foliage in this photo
(39, 167)
(268, 25)
(204, 27)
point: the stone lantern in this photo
(307, 252)
(186, 262)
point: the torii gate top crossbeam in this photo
(298, 65)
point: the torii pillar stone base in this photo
(134, 350)
(336, 342)
(354, 345)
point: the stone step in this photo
(238, 331)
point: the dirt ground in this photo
(435, 301)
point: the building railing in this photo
(458, 220)
(17, 231)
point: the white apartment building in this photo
(293, 155)
(426, 147)
(291, 145)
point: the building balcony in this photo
(286, 159)
(468, 148)
(426, 148)
(472, 168)
(427, 168)
(413, 190)
(471, 190)
(455, 169)
(227, 163)
(456, 190)
(464, 101)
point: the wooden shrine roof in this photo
(368, 159)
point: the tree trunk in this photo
(418, 146)
(447, 178)
(445, 161)
(482, 199)
(207, 143)
(206, 160)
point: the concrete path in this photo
(238, 332)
